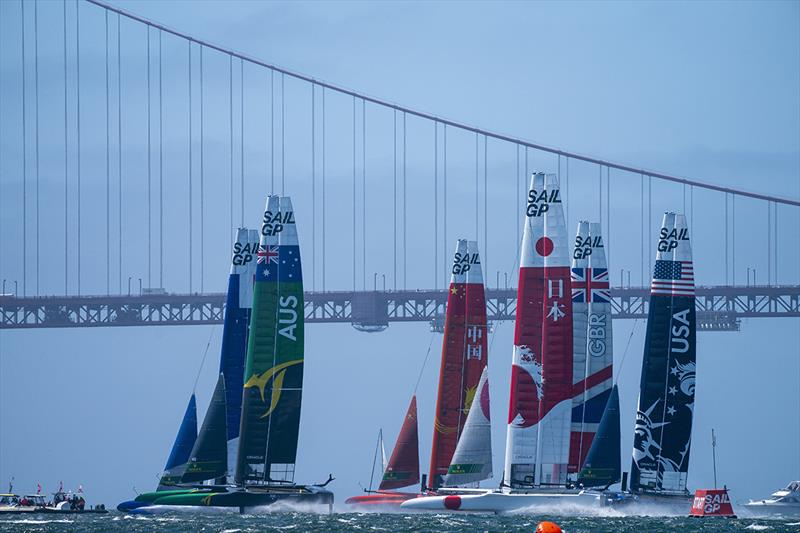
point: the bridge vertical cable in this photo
(190, 236)
(78, 98)
(149, 168)
(486, 205)
(119, 149)
(477, 212)
(726, 238)
(313, 187)
(517, 205)
(608, 217)
(769, 243)
(202, 173)
(354, 194)
(733, 239)
(642, 228)
(66, 161)
(160, 164)
(241, 142)
(324, 253)
(405, 211)
(272, 130)
(435, 205)
(283, 135)
(566, 192)
(364, 194)
(36, 124)
(444, 200)
(24, 165)
(230, 138)
(394, 197)
(108, 171)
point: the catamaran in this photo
(255, 408)
(557, 398)
(663, 431)
(461, 452)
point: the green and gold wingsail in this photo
(273, 377)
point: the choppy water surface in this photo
(347, 522)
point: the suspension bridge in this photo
(134, 151)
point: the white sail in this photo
(472, 460)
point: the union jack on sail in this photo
(590, 285)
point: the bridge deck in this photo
(719, 308)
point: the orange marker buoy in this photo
(548, 527)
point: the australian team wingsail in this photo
(662, 436)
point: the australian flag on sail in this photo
(590, 285)
(673, 278)
(267, 264)
(289, 260)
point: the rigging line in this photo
(149, 169)
(405, 210)
(566, 187)
(394, 198)
(241, 137)
(435, 205)
(600, 195)
(354, 194)
(313, 186)
(374, 461)
(202, 175)
(119, 149)
(625, 352)
(323, 190)
(424, 362)
(649, 225)
(36, 125)
(66, 163)
(108, 171)
(203, 360)
(608, 214)
(160, 166)
(78, 98)
(189, 206)
(733, 239)
(24, 167)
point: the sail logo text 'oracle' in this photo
(539, 202)
(244, 253)
(680, 334)
(597, 335)
(462, 262)
(274, 222)
(287, 317)
(668, 239)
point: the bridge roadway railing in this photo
(719, 308)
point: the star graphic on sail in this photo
(671, 410)
(266, 272)
(555, 312)
(673, 390)
(454, 290)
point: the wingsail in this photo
(662, 435)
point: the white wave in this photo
(757, 527)
(31, 521)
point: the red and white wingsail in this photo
(537, 447)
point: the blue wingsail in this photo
(238, 307)
(182, 448)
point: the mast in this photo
(662, 436)
(274, 364)
(238, 305)
(403, 467)
(593, 343)
(463, 355)
(541, 372)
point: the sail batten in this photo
(662, 435)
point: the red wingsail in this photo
(464, 355)
(403, 467)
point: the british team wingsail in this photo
(270, 386)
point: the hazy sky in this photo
(705, 90)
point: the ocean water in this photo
(368, 522)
